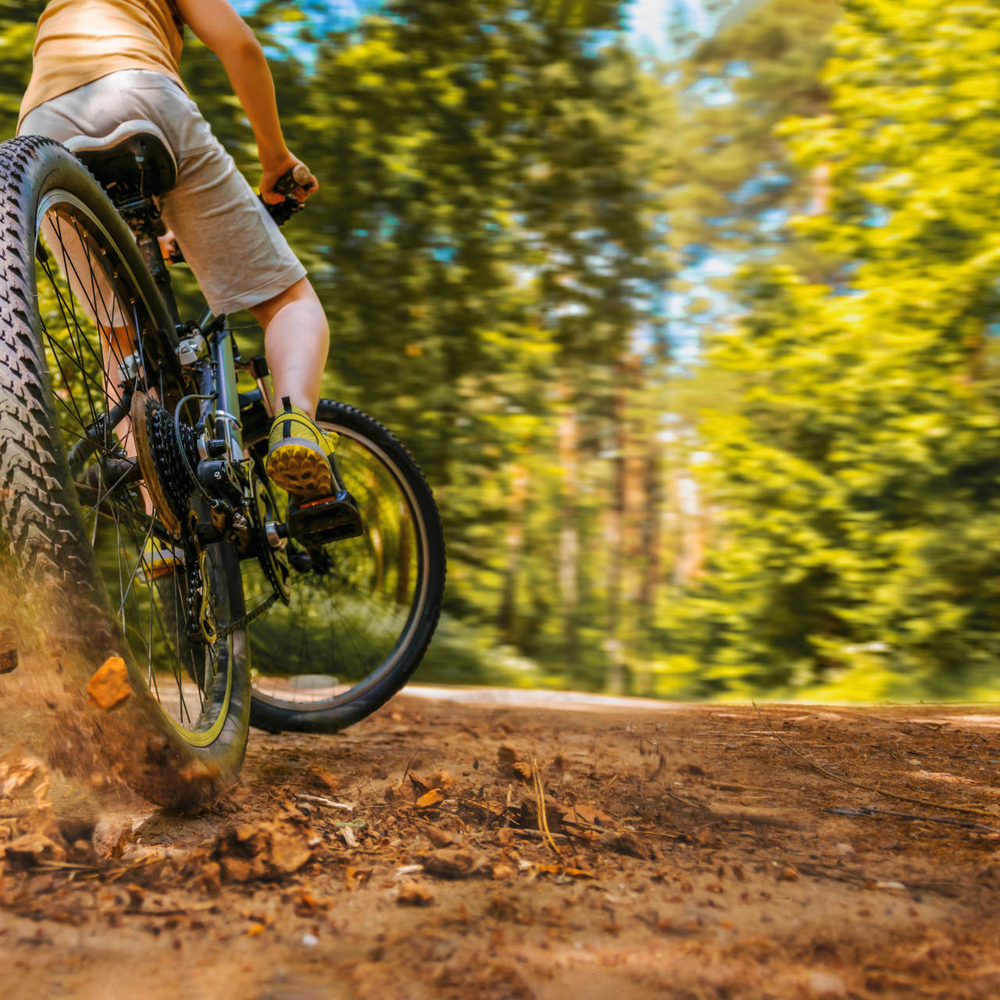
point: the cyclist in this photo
(101, 63)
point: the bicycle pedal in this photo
(159, 562)
(328, 519)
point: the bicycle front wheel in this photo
(362, 610)
(85, 356)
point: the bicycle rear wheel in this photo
(85, 335)
(362, 610)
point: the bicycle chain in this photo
(251, 616)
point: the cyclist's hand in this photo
(273, 172)
(168, 245)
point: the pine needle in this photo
(543, 821)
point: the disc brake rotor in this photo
(273, 561)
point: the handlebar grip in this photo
(298, 177)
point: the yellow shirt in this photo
(79, 41)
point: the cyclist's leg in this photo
(296, 342)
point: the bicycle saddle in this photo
(135, 155)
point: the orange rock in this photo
(109, 687)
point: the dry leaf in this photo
(506, 758)
(707, 837)
(439, 837)
(452, 863)
(528, 815)
(523, 770)
(442, 779)
(32, 849)
(109, 687)
(418, 786)
(414, 894)
(431, 798)
(325, 778)
(584, 812)
(16, 773)
(307, 904)
(626, 843)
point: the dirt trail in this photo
(693, 854)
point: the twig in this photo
(965, 824)
(535, 834)
(826, 772)
(543, 821)
(325, 801)
(409, 763)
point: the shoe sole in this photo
(298, 469)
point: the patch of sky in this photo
(766, 181)
(712, 91)
(772, 220)
(878, 215)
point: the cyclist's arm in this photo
(231, 39)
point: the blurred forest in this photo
(697, 352)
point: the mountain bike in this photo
(132, 448)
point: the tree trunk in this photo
(569, 532)
(613, 644)
(515, 545)
(650, 540)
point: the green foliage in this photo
(506, 195)
(856, 475)
(17, 39)
(484, 240)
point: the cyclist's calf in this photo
(296, 343)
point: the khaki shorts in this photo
(233, 246)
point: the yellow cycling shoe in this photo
(298, 454)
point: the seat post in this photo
(149, 247)
(142, 216)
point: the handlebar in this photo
(298, 177)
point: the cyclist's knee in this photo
(301, 292)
